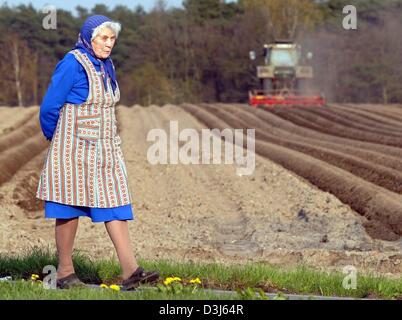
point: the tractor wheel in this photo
(267, 85)
(302, 86)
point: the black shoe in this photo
(139, 276)
(71, 281)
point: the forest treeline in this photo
(200, 53)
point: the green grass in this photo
(300, 280)
(27, 290)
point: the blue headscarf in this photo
(84, 43)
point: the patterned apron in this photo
(84, 164)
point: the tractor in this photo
(285, 78)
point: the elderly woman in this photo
(84, 173)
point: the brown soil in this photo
(325, 192)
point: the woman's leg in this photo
(118, 233)
(66, 230)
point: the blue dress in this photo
(69, 84)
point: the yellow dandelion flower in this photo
(105, 286)
(195, 281)
(169, 280)
(115, 287)
(34, 277)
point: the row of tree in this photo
(200, 52)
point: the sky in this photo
(71, 4)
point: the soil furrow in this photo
(382, 208)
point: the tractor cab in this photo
(282, 55)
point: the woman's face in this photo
(103, 43)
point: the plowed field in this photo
(326, 191)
